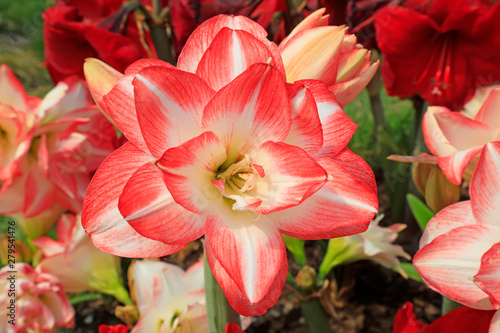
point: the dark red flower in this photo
(461, 320)
(113, 329)
(440, 49)
(77, 29)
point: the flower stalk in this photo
(219, 311)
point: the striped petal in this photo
(12, 92)
(251, 110)
(454, 165)
(101, 218)
(485, 185)
(202, 37)
(449, 262)
(291, 176)
(120, 104)
(488, 277)
(343, 206)
(489, 110)
(148, 207)
(251, 253)
(189, 170)
(169, 105)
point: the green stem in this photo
(161, 41)
(448, 305)
(316, 317)
(219, 311)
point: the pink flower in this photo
(231, 152)
(40, 302)
(49, 151)
(314, 50)
(459, 253)
(456, 140)
(77, 263)
(169, 299)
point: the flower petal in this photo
(343, 206)
(291, 176)
(454, 165)
(488, 113)
(120, 104)
(488, 276)
(203, 36)
(447, 219)
(251, 255)
(346, 91)
(230, 54)
(189, 170)
(338, 128)
(148, 207)
(169, 105)
(251, 110)
(449, 262)
(306, 131)
(357, 167)
(100, 215)
(12, 92)
(485, 185)
(434, 137)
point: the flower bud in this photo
(439, 191)
(306, 278)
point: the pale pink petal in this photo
(434, 137)
(485, 186)
(247, 112)
(120, 104)
(202, 37)
(306, 131)
(169, 105)
(58, 303)
(12, 92)
(448, 263)
(148, 207)
(248, 259)
(447, 219)
(40, 193)
(454, 165)
(309, 22)
(291, 176)
(194, 276)
(343, 206)
(48, 246)
(488, 277)
(313, 54)
(338, 128)
(100, 215)
(463, 132)
(189, 170)
(489, 111)
(346, 91)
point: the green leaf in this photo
(296, 248)
(84, 297)
(420, 210)
(411, 271)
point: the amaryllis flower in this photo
(75, 30)
(457, 140)
(461, 320)
(77, 263)
(49, 152)
(169, 299)
(314, 50)
(459, 252)
(223, 147)
(40, 302)
(441, 49)
(113, 329)
(375, 244)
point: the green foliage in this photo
(399, 116)
(419, 209)
(411, 271)
(296, 248)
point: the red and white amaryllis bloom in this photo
(49, 149)
(457, 140)
(459, 253)
(223, 147)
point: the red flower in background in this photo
(441, 49)
(461, 320)
(75, 30)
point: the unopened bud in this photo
(420, 174)
(306, 279)
(439, 191)
(128, 314)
